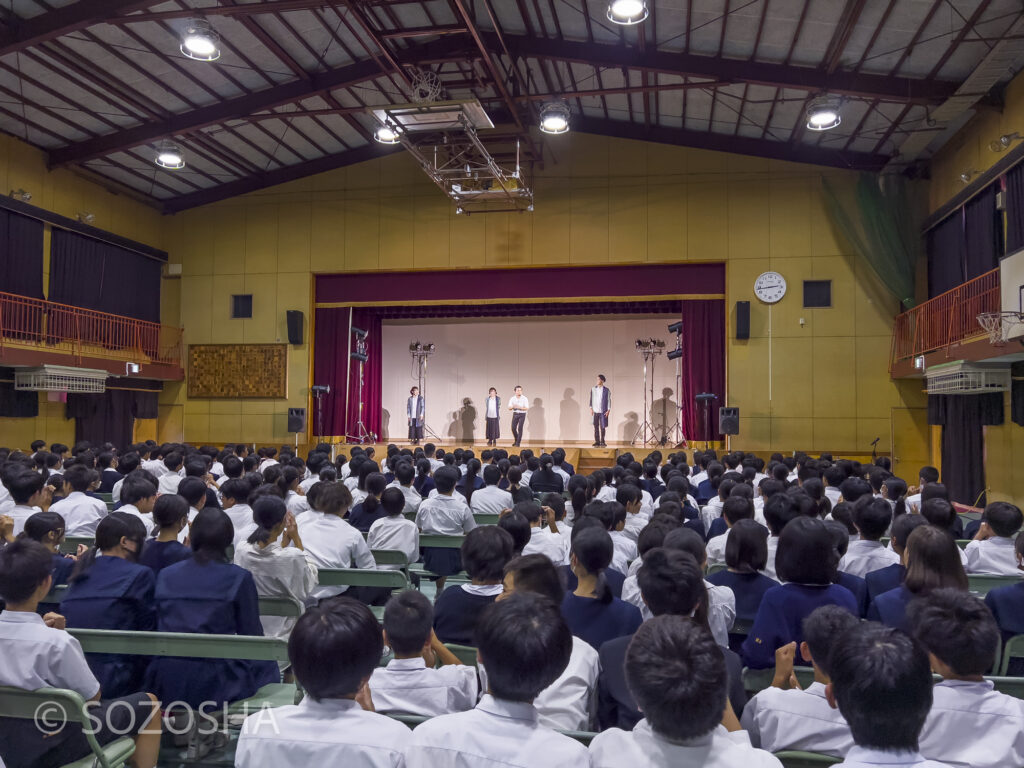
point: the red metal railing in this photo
(950, 318)
(85, 332)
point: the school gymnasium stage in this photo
(456, 333)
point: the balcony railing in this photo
(37, 324)
(950, 318)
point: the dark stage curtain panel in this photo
(982, 234)
(963, 440)
(945, 247)
(16, 403)
(1015, 209)
(332, 345)
(21, 255)
(703, 365)
(91, 274)
(110, 416)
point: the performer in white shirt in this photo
(493, 416)
(518, 404)
(600, 407)
(335, 724)
(686, 716)
(778, 719)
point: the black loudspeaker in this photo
(295, 321)
(729, 421)
(742, 319)
(296, 419)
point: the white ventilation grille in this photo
(61, 378)
(963, 378)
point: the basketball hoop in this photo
(999, 325)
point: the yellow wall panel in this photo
(666, 222)
(791, 431)
(261, 232)
(706, 206)
(790, 210)
(834, 388)
(747, 202)
(432, 231)
(627, 225)
(362, 234)
(832, 434)
(396, 233)
(792, 376)
(589, 224)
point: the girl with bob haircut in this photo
(805, 562)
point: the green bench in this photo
(287, 607)
(982, 584)
(199, 646)
(793, 758)
(483, 519)
(70, 544)
(716, 568)
(1013, 649)
(755, 680)
(361, 577)
(440, 540)
(390, 557)
(1011, 686)
(28, 705)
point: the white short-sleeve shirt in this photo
(642, 747)
(407, 686)
(778, 719)
(38, 656)
(81, 513)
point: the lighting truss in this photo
(443, 137)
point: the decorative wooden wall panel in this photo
(238, 370)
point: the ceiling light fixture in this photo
(387, 134)
(170, 156)
(823, 113)
(554, 117)
(86, 218)
(21, 194)
(1004, 142)
(966, 176)
(627, 11)
(200, 41)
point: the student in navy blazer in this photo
(933, 562)
(1007, 605)
(805, 560)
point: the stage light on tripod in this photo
(320, 389)
(361, 357)
(674, 354)
(359, 332)
(676, 327)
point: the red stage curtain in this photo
(332, 346)
(703, 365)
(373, 370)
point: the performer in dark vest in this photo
(492, 413)
(600, 406)
(415, 411)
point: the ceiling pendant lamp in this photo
(554, 118)
(170, 156)
(823, 113)
(200, 41)
(627, 11)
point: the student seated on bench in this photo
(1007, 606)
(333, 650)
(779, 719)
(992, 549)
(38, 653)
(525, 645)
(410, 683)
(207, 594)
(676, 671)
(969, 724)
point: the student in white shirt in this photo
(969, 723)
(926, 476)
(168, 482)
(733, 510)
(38, 653)
(992, 550)
(872, 517)
(330, 542)
(569, 703)
(491, 500)
(82, 513)
(446, 514)
(544, 536)
(525, 645)
(687, 717)
(624, 545)
(785, 716)
(274, 555)
(405, 474)
(881, 682)
(294, 497)
(630, 496)
(410, 683)
(335, 724)
(394, 530)
(139, 496)
(235, 503)
(30, 494)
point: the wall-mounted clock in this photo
(770, 287)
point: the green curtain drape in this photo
(880, 217)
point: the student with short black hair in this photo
(334, 649)
(368, 511)
(524, 645)
(109, 589)
(412, 683)
(484, 553)
(544, 536)
(194, 491)
(30, 495)
(784, 716)
(927, 476)
(746, 554)
(881, 682)
(329, 541)
(992, 550)
(48, 529)
(395, 530)
(207, 594)
(806, 563)
(38, 653)
(170, 515)
(734, 509)
(138, 495)
(962, 640)
(592, 612)
(882, 580)
(1007, 606)
(446, 514)
(779, 511)
(490, 500)
(82, 513)
(677, 674)
(932, 563)
(872, 516)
